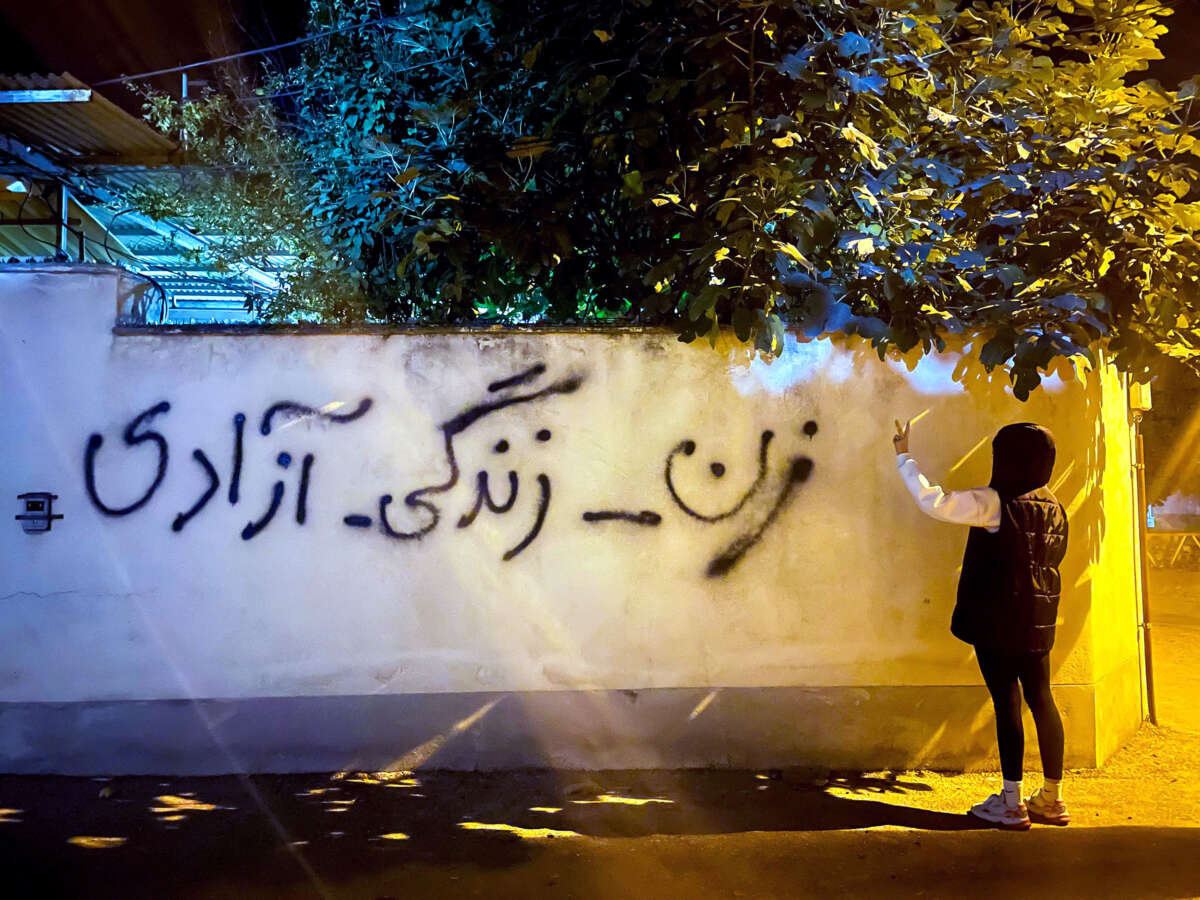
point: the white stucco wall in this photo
(848, 588)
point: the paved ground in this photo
(634, 834)
(1175, 614)
(690, 834)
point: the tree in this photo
(900, 169)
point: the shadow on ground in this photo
(440, 833)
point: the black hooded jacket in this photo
(1009, 589)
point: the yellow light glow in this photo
(546, 809)
(524, 833)
(625, 801)
(170, 804)
(421, 754)
(1183, 452)
(391, 779)
(1086, 576)
(962, 462)
(1061, 480)
(394, 836)
(703, 704)
(1076, 502)
(96, 843)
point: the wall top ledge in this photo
(59, 266)
(288, 330)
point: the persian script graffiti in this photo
(507, 394)
(422, 509)
(133, 436)
(795, 472)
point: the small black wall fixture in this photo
(39, 514)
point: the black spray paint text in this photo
(420, 511)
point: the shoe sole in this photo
(1049, 820)
(1005, 826)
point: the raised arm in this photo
(979, 507)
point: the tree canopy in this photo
(898, 169)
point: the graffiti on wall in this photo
(422, 510)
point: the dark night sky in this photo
(1180, 46)
(99, 39)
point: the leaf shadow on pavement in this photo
(141, 836)
(512, 834)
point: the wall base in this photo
(1118, 708)
(837, 727)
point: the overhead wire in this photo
(383, 20)
(1138, 9)
(1161, 6)
(258, 51)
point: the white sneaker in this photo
(996, 811)
(1050, 813)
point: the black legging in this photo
(1002, 673)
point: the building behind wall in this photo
(70, 162)
(222, 592)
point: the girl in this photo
(1008, 603)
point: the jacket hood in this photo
(1022, 459)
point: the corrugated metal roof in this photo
(96, 131)
(104, 152)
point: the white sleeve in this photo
(979, 507)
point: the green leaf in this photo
(998, 350)
(705, 300)
(744, 321)
(929, 164)
(531, 55)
